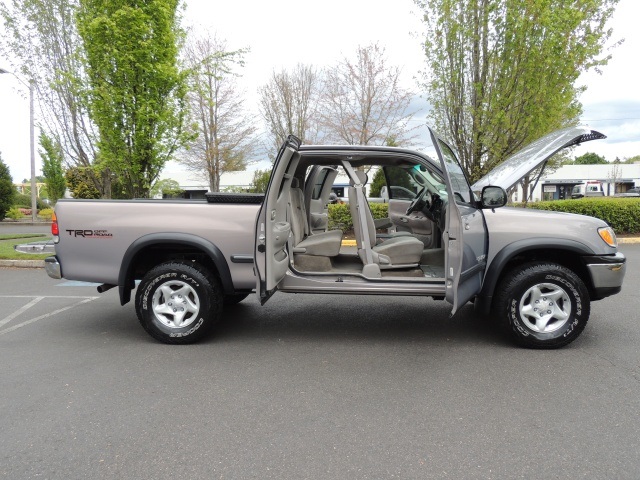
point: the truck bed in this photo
(95, 235)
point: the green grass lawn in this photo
(8, 241)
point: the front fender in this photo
(500, 261)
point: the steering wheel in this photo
(419, 202)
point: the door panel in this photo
(271, 257)
(416, 223)
(465, 233)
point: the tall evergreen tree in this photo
(52, 155)
(7, 190)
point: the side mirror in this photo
(493, 197)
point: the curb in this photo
(629, 240)
(21, 263)
(26, 224)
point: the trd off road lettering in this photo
(89, 233)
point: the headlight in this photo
(608, 235)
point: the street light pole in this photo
(34, 204)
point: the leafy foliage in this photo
(46, 213)
(377, 183)
(340, 215)
(52, 156)
(590, 158)
(260, 181)
(136, 91)
(7, 190)
(23, 200)
(167, 187)
(81, 183)
(622, 214)
(502, 73)
(14, 213)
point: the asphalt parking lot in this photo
(310, 387)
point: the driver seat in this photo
(396, 252)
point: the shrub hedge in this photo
(340, 216)
(24, 201)
(622, 214)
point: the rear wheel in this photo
(178, 303)
(542, 305)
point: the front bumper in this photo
(607, 273)
(52, 267)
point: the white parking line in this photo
(49, 296)
(55, 312)
(13, 315)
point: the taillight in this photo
(54, 227)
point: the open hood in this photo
(517, 166)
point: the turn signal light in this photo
(608, 235)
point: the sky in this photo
(281, 33)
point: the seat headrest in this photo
(295, 183)
(362, 177)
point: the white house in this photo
(195, 186)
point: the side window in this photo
(317, 187)
(461, 189)
(400, 185)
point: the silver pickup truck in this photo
(536, 272)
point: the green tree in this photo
(377, 183)
(7, 190)
(81, 182)
(502, 73)
(260, 181)
(167, 187)
(52, 155)
(136, 91)
(590, 158)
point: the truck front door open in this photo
(271, 257)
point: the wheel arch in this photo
(564, 252)
(155, 248)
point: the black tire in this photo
(197, 305)
(234, 299)
(542, 305)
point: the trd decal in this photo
(89, 233)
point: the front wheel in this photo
(178, 303)
(543, 305)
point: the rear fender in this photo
(125, 278)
